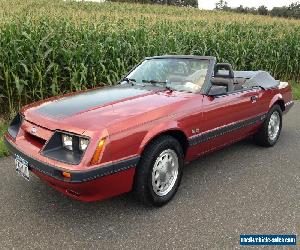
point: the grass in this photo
(296, 90)
(3, 128)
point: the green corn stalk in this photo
(50, 48)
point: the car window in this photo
(179, 74)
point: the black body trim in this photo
(72, 104)
(76, 176)
(54, 149)
(235, 92)
(15, 125)
(182, 57)
(206, 136)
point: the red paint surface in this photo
(131, 123)
(98, 189)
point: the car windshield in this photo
(178, 74)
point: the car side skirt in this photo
(229, 128)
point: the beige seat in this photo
(198, 77)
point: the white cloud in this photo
(210, 4)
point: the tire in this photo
(264, 137)
(158, 166)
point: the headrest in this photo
(223, 70)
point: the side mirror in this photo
(217, 90)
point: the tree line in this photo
(291, 11)
(184, 3)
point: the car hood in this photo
(113, 108)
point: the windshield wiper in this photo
(153, 82)
(128, 80)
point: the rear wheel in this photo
(270, 131)
(159, 172)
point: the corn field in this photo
(54, 47)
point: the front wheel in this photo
(159, 172)
(270, 131)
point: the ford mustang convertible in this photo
(137, 135)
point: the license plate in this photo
(22, 167)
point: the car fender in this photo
(157, 130)
(277, 97)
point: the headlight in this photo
(67, 141)
(83, 143)
(66, 147)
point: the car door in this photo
(247, 111)
(225, 119)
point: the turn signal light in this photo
(98, 152)
(66, 174)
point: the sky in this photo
(211, 4)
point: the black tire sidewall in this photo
(143, 178)
(160, 200)
(273, 109)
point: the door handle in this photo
(254, 98)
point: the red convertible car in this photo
(138, 135)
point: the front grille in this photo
(36, 141)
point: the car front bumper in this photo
(89, 185)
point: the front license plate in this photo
(22, 167)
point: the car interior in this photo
(224, 80)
